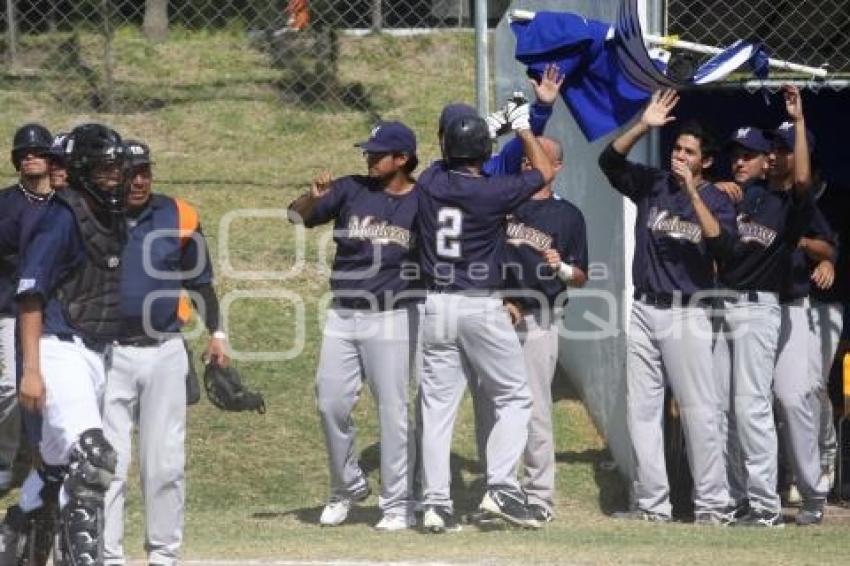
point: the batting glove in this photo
(518, 116)
(497, 123)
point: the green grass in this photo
(223, 140)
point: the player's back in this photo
(460, 224)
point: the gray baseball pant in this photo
(10, 422)
(476, 328)
(674, 346)
(798, 403)
(754, 329)
(825, 325)
(538, 335)
(360, 344)
(146, 387)
(736, 472)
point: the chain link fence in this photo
(86, 52)
(810, 32)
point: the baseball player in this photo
(546, 252)
(826, 319)
(770, 223)
(33, 517)
(795, 391)
(58, 162)
(462, 238)
(69, 316)
(30, 156)
(682, 220)
(165, 253)
(366, 334)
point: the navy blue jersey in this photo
(461, 225)
(165, 252)
(509, 160)
(798, 283)
(535, 226)
(770, 224)
(373, 231)
(18, 211)
(55, 248)
(671, 253)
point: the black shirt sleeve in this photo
(630, 179)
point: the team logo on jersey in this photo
(379, 232)
(754, 232)
(663, 223)
(520, 234)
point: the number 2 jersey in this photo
(461, 228)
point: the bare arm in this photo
(31, 394)
(802, 160)
(655, 115)
(818, 250)
(302, 207)
(707, 221)
(536, 156)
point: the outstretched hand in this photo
(793, 102)
(657, 112)
(549, 86)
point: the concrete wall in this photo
(594, 359)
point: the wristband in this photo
(566, 272)
(219, 335)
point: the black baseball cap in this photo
(139, 153)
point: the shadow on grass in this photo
(613, 489)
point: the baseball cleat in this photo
(638, 515)
(337, 508)
(808, 517)
(508, 508)
(395, 522)
(540, 513)
(759, 518)
(715, 518)
(439, 519)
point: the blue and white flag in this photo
(609, 72)
(731, 59)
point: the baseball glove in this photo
(225, 390)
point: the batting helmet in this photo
(467, 138)
(92, 146)
(30, 137)
(59, 147)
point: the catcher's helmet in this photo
(89, 147)
(467, 138)
(30, 137)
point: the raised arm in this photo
(655, 115)
(302, 208)
(802, 160)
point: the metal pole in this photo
(12, 32)
(108, 55)
(377, 15)
(655, 23)
(482, 75)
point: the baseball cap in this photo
(751, 138)
(390, 137)
(453, 111)
(139, 152)
(783, 136)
